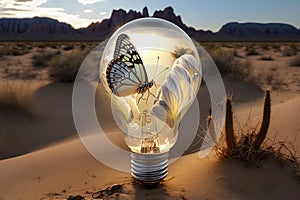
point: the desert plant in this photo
(269, 78)
(22, 71)
(289, 51)
(41, 59)
(13, 50)
(227, 63)
(295, 61)
(210, 46)
(229, 131)
(261, 135)
(265, 46)
(266, 58)
(42, 46)
(15, 97)
(236, 53)
(68, 47)
(252, 148)
(248, 146)
(82, 46)
(251, 51)
(65, 68)
(224, 60)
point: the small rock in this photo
(78, 197)
(70, 197)
(116, 188)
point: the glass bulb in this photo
(149, 106)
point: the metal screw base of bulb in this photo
(149, 169)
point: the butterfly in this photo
(126, 73)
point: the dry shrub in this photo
(227, 63)
(289, 51)
(224, 60)
(275, 46)
(41, 59)
(266, 58)
(10, 49)
(68, 47)
(266, 46)
(295, 61)
(250, 146)
(16, 97)
(65, 68)
(270, 78)
(251, 51)
(210, 46)
(22, 71)
(281, 151)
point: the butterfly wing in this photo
(126, 52)
(121, 79)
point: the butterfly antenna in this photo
(160, 73)
(155, 72)
(156, 66)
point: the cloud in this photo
(86, 2)
(103, 13)
(87, 11)
(22, 0)
(31, 8)
(13, 9)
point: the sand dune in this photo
(43, 158)
(67, 168)
(50, 122)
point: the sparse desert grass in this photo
(13, 50)
(210, 46)
(82, 46)
(236, 53)
(22, 71)
(41, 59)
(16, 97)
(295, 61)
(65, 68)
(289, 51)
(269, 79)
(228, 64)
(68, 47)
(266, 46)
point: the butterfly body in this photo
(126, 74)
(144, 87)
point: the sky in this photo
(201, 14)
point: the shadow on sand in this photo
(53, 121)
(50, 122)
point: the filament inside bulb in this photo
(150, 142)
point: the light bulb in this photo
(151, 72)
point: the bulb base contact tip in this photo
(149, 169)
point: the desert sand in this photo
(43, 158)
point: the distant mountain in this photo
(258, 31)
(41, 28)
(37, 28)
(101, 30)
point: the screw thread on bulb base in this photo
(149, 169)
